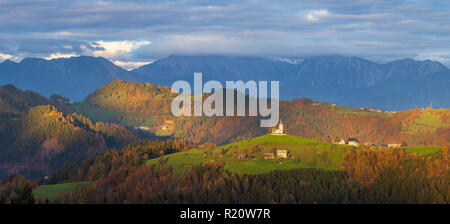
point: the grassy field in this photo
(273, 139)
(93, 112)
(423, 150)
(351, 110)
(427, 121)
(56, 191)
(302, 153)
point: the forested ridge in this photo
(325, 122)
(41, 141)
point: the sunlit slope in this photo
(147, 107)
(302, 153)
(57, 191)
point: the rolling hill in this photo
(37, 137)
(147, 107)
(44, 139)
(303, 153)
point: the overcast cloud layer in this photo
(131, 33)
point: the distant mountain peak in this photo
(73, 77)
(412, 60)
(337, 58)
(7, 61)
(410, 65)
(32, 60)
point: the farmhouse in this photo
(242, 156)
(144, 128)
(269, 155)
(279, 130)
(282, 154)
(353, 142)
(168, 124)
(394, 145)
(349, 141)
(340, 142)
(375, 110)
(372, 145)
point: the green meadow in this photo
(57, 191)
(423, 149)
(351, 110)
(94, 112)
(427, 121)
(302, 153)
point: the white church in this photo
(279, 130)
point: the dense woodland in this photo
(129, 157)
(16, 189)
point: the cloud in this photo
(436, 55)
(59, 55)
(9, 57)
(368, 43)
(5, 56)
(119, 30)
(114, 49)
(130, 65)
(316, 15)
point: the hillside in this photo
(57, 191)
(147, 107)
(248, 156)
(44, 139)
(16, 101)
(303, 153)
(326, 122)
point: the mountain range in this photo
(349, 81)
(73, 77)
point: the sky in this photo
(133, 33)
